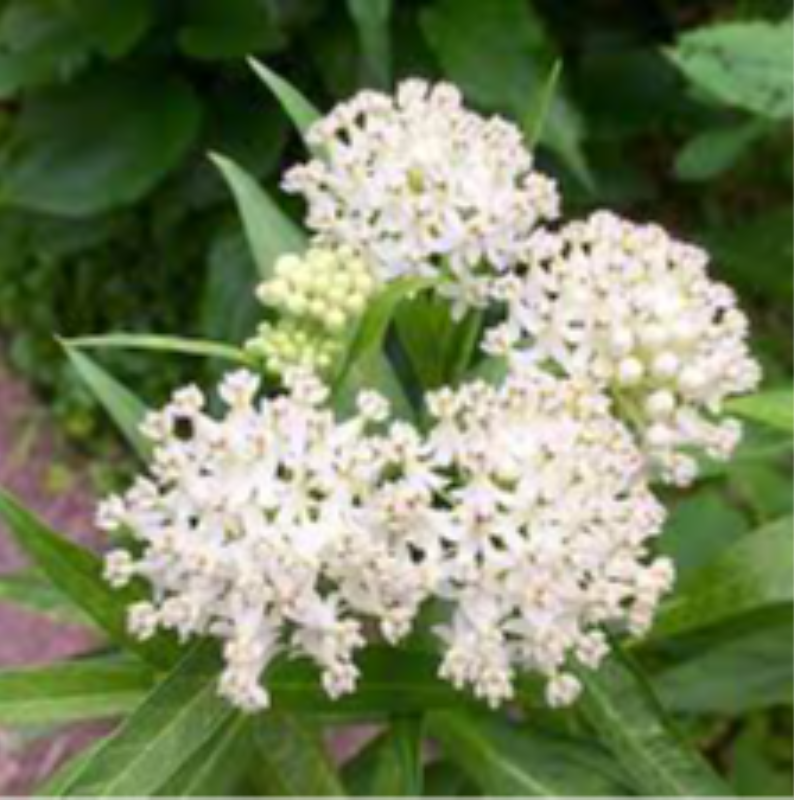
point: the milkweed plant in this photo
(428, 491)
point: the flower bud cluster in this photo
(317, 297)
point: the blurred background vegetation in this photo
(112, 218)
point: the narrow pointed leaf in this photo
(176, 721)
(80, 690)
(373, 19)
(620, 705)
(291, 759)
(165, 344)
(32, 591)
(755, 572)
(270, 233)
(217, 768)
(297, 107)
(78, 574)
(503, 759)
(121, 403)
(774, 408)
(535, 122)
(390, 765)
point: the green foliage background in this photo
(112, 217)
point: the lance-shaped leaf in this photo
(620, 705)
(31, 590)
(78, 574)
(297, 107)
(163, 344)
(79, 690)
(503, 759)
(391, 764)
(755, 572)
(774, 408)
(270, 233)
(291, 760)
(122, 405)
(176, 720)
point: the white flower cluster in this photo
(633, 310)
(425, 186)
(548, 526)
(317, 296)
(278, 529)
(270, 529)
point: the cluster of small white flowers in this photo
(425, 186)
(317, 296)
(273, 530)
(633, 310)
(547, 532)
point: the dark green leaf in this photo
(620, 705)
(714, 151)
(81, 690)
(755, 572)
(301, 112)
(222, 29)
(270, 232)
(177, 720)
(32, 591)
(98, 143)
(216, 768)
(372, 18)
(122, 405)
(503, 759)
(390, 765)
(291, 759)
(752, 670)
(78, 574)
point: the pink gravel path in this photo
(28, 449)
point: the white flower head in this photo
(633, 310)
(425, 186)
(547, 531)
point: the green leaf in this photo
(122, 405)
(291, 760)
(758, 253)
(113, 28)
(177, 720)
(297, 107)
(390, 765)
(620, 705)
(216, 769)
(393, 681)
(370, 334)
(774, 408)
(500, 54)
(270, 233)
(755, 572)
(505, 760)
(54, 786)
(712, 152)
(38, 43)
(98, 143)
(165, 344)
(535, 121)
(748, 65)
(226, 29)
(81, 690)
(372, 18)
(750, 671)
(32, 591)
(78, 575)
